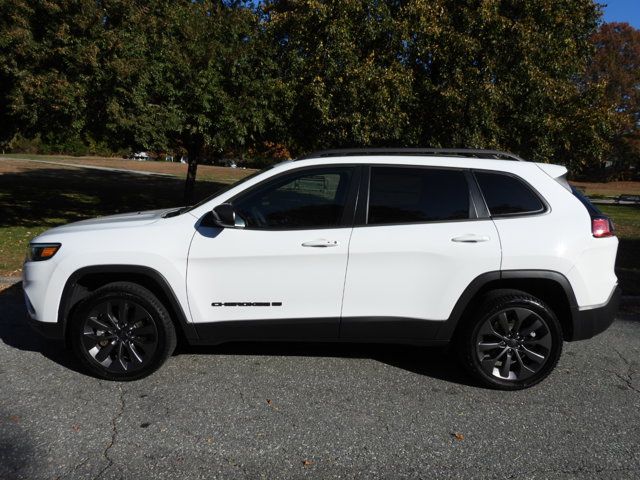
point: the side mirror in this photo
(224, 216)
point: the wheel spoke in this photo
(534, 326)
(484, 346)
(521, 315)
(120, 356)
(126, 311)
(504, 322)
(544, 340)
(487, 365)
(488, 362)
(536, 357)
(135, 356)
(97, 324)
(506, 365)
(143, 330)
(105, 351)
(525, 372)
(99, 338)
(488, 330)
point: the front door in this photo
(281, 276)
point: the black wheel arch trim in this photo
(448, 328)
(68, 298)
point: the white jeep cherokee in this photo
(419, 246)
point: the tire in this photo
(511, 342)
(122, 332)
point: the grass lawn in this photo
(205, 172)
(608, 189)
(37, 196)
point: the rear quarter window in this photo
(508, 195)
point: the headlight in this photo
(41, 251)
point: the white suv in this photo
(478, 248)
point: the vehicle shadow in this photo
(48, 197)
(16, 333)
(436, 362)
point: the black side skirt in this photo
(351, 329)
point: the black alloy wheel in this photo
(512, 341)
(122, 332)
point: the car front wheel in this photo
(122, 332)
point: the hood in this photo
(121, 220)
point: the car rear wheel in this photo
(122, 332)
(513, 341)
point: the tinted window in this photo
(310, 198)
(507, 195)
(403, 195)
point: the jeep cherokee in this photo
(497, 256)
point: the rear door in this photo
(419, 245)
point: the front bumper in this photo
(588, 323)
(50, 330)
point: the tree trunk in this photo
(190, 182)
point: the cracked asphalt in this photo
(315, 411)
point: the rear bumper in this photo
(588, 323)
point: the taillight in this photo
(601, 227)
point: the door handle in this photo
(320, 243)
(470, 238)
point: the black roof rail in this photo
(454, 152)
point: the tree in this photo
(616, 66)
(342, 66)
(502, 74)
(48, 60)
(185, 75)
(212, 77)
(492, 74)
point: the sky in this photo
(622, 11)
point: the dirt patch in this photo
(205, 172)
(609, 188)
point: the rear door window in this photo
(411, 195)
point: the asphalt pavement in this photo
(315, 411)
